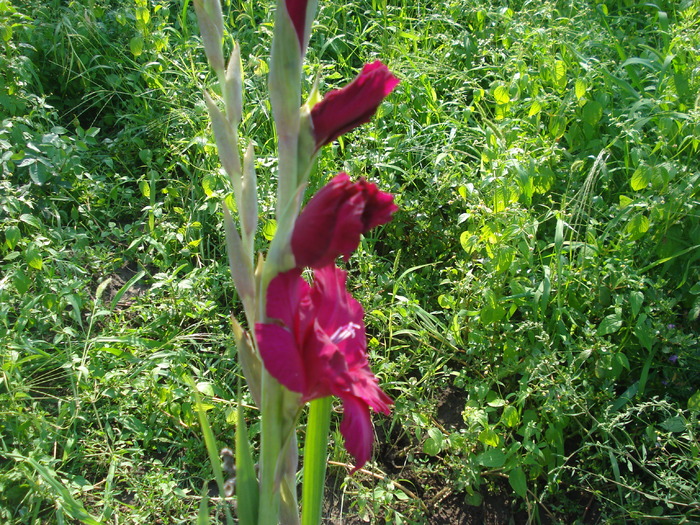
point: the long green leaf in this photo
(315, 452)
(247, 487)
(127, 286)
(203, 515)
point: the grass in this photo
(533, 308)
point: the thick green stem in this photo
(315, 452)
(287, 177)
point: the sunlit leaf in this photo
(433, 445)
(489, 437)
(136, 45)
(638, 226)
(535, 108)
(557, 126)
(640, 178)
(209, 184)
(33, 257)
(12, 236)
(493, 458)
(694, 402)
(560, 75)
(636, 300)
(592, 112)
(206, 388)
(510, 416)
(269, 229)
(501, 95)
(30, 219)
(145, 188)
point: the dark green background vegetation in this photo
(533, 308)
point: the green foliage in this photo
(532, 309)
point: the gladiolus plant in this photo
(302, 341)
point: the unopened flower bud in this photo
(211, 26)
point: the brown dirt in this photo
(444, 504)
(119, 279)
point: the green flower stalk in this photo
(286, 59)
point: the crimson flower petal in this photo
(284, 294)
(357, 430)
(315, 344)
(335, 306)
(282, 361)
(342, 110)
(365, 387)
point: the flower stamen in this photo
(344, 332)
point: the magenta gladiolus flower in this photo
(333, 220)
(315, 345)
(342, 110)
(297, 13)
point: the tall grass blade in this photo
(212, 449)
(65, 500)
(127, 286)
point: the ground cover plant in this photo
(532, 308)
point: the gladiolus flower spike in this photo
(344, 109)
(315, 345)
(331, 223)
